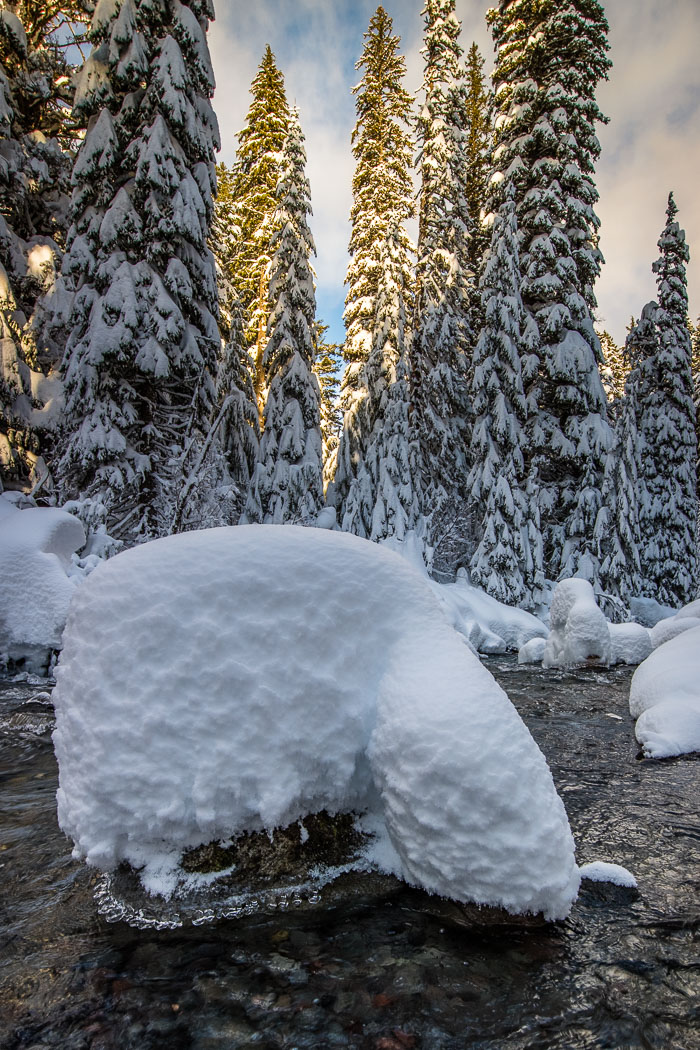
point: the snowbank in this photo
(239, 678)
(665, 697)
(630, 643)
(579, 633)
(648, 611)
(36, 547)
(670, 628)
(489, 625)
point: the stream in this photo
(378, 966)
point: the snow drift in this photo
(239, 678)
(665, 697)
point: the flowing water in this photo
(370, 963)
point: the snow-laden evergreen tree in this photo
(288, 481)
(327, 367)
(223, 238)
(383, 500)
(36, 138)
(382, 202)
(441, 326)
(507, 561)
(256, 173)
(138, 292)
(666, 425)
(478, 142)
(614, 371)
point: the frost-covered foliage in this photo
(35, 161)
(478, 145)
(327, 367)
(508, 560)
(667, 439)
(406, 723)
(550, 59)
(578, 630)
(223, 237)
(441, 326)
(382, 500)
(288, 482)
(664, 697)
(255, 175)
(382, 201)
(614, 370)
(138, 292)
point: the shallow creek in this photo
(371, 964)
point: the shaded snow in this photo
(665, 697)
(239, 678)
(630, 643)
(579, 632)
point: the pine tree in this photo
(382, 202)
(666, 425)
(507, 561)
(614, 371)
(256, 173)
(382, 500)
(477, 158)
(327, 366)
(441, 329)
(288, 481)
(36, 138)
(139, 289)
(550, 59)
(222, 241)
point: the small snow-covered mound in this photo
(630, 643)
(36, 546)
(665, 630)
(237, 679)
(490, 626)
(601, 871)
(532, 652)
(665, 697)
(579, 634)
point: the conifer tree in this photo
(222, 241)
(256, 173)
(507, 561)
(327, 367)
(666, 425)
(614, 371)
(139, 290)
(36, 139)
(477, 158)
(441, 329)
(550, 59)
(382, 201)
(288, 481)
(382, 500)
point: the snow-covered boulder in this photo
(579, 634)
(665, 697)
(489, 625)
(667, 629)
(648, 611)
(36, 547)
(532, 652)
(237, 679)
(630, 643)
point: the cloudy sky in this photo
(650, 146)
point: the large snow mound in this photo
(36, 546)
(489, 625)
(579, 634)
(239, 678)
(665, 697)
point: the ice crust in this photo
(36, 546)
(579, 633)
(239, 678)
(665, 697)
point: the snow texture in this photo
(489, 625)
(630, 643)
(197, 697)
(36, 546)
(665, 697)
(532, 652)
(600, 871)
(649, 612)
(579, 633)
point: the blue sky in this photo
(651, 145)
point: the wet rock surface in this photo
(371, 963)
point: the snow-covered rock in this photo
(669, 628)
(489, 625)
(602, 871)
(579, 634)
(665, 697)
(630, 643)
(532, 652)
(36, 549)
(239, 678)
